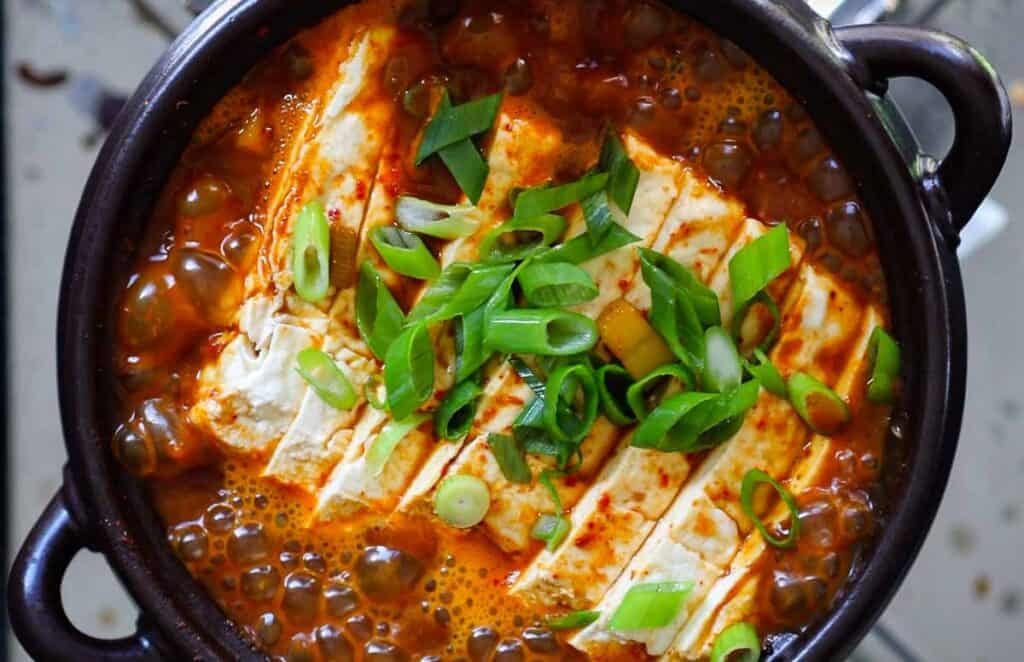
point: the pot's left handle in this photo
(34, 603)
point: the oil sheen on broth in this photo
(386, 585)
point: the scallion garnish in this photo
(650, 606)
(758, 263)
(454, 416)
(462, 501)
(453, 124)
(613, 382)
(556, 284)
(751, 480)
(737, 643)
(544, 199)
(665, 273)
(387, 440)
(468, 167)
(311, 253)
(551, 529)
(579, 249)
(510, 458)
(433, 219)
(460, 289)
(819, 406)
(573, 385)
(762, 369)
(760, 339)
(653, 431)
(722, 368)
(405, 252)
(528, 376)
(518, 237)
(668, 379)
(469, 343)
(598, 215)
(884, 362)
(547, 479)
(574, 620)
(371, 395)
(409, 371)
(681, 421)
(378, 316)
(547, 332)
(623, 175)
(325, 378)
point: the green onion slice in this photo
(884, 361)
(650, 606)
(469, 343)
(543, 199)
(311, 253)
(765, 372)
(761, 340)
(668, 379)
(528, 376)
(405, 252)
(574, 620)
(371, 395)
(378, 315)
(575, 386)
(547, 332)
(613, 384)
(653, 431)
(325, 378)
(388, 439)
(663, 273)
(434, 219)
(510, 458)
(519, 237)
(599, 216)
(547, 479)
(556, 284)
(580, 249)
(462, 501)
(460, 289)
(468, 167)
(737, 643)
(722, 368)
(623, 175)
(758, 263)
(552, 529)
(751, 480)
(409, 371)
(454, 416)
(452, 124)
(819, 406)
(681, 421)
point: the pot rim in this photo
(794, 45)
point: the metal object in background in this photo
(853, 12)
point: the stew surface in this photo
(322, 545)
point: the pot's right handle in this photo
(34, 601)
(981, 108)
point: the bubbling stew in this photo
(493, 331)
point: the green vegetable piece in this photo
(409, 371)
(751, 480)
(650, 606)
(556, 284)
(758, 263)
(378, 316)
(510, 458)
(325, 378)
(462, 501)
(405, 253)
(311, 253)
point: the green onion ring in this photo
(765, 372)
(378, 316)
(613, 383)
(549, 227)
(552, 529)
(563, 423)
(462, 501)
(819, 406)
(636, 395)
(737, 638)
(556, 284)
(409, 371)
(547, 332)
(740, 316)
(405, 252)
(434, 219)
(460, 289)
(311, 253)
(751, 480)
(722, 368)
(455, 414)
(326, 379)
(387, 440)
(884, 362)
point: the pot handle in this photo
(34, 603)
(981, 108)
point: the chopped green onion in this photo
(454, 416)
(311, 253)
(650, 606)
(740, 317)
(653, 431)
(546, 479)
(563, 423)
(737, 643)
(462, 501)
(452, 124)
(819, 406)
(460, 289)
(722, 368)
(547, 332)
(556, 284)
(518, 237)
(666, 380)
(469, 343)
(468, 167)
(574, 620)
(543, 199)
(623, 175)
(884, 361)
(599, 216)
(434, 219)
(681, 421)
(371, 395)
(528, 376)
(510, 458)
(325, 378)
(409, 371)
(552, 529)
(751, 480)
(766, 373)
(378, 315)
(613, 383)
(405, 252)
(388, 439)
(501, 297)
(758, 263)
(580, 249)
(664, 273)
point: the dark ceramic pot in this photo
(918, 204)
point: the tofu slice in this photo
(819, 329)
(522, 153)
